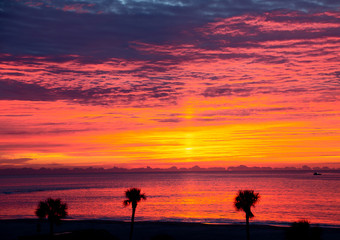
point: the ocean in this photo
(182, 197)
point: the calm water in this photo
(197, 197)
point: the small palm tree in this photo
(134, 196)
(244, 200)
(53, 209)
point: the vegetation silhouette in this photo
(244, 200)
(134, 196)
(301, 230)
(53, 209)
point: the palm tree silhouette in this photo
(133, 196)
(244, 200)
(53, 209)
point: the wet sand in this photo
(14, 229)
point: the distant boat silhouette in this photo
(316, 173)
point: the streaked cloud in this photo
(14, 161)
(129, 82)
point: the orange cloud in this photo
(252, 89)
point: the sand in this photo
(16, 229)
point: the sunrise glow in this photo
(254, 89)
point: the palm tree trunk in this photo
(51, 228)
(132, 221)
(247, 226)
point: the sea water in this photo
(185, 197)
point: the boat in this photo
(316, 173)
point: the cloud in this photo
(40, 131)
(97, 78)
(224, 90)
(244, 112)
(168, 120)
(171, 7)
(97, 35)
(134, 92)
(15, 161)
(13, 90)
(149, 60)
(37, 147)
(105, 29)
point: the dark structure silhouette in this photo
(134, 196)
(244, 200)
(53, 209)
(301, 230)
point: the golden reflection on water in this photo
(195, 197)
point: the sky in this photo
(135, 83)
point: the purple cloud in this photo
(106, 29)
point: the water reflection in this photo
(206, 197)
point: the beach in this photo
(21, 228)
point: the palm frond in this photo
(245, 199)
(133, 196)
(126, 203)
(53, 209)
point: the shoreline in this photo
(11, 229)
(186, 221)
